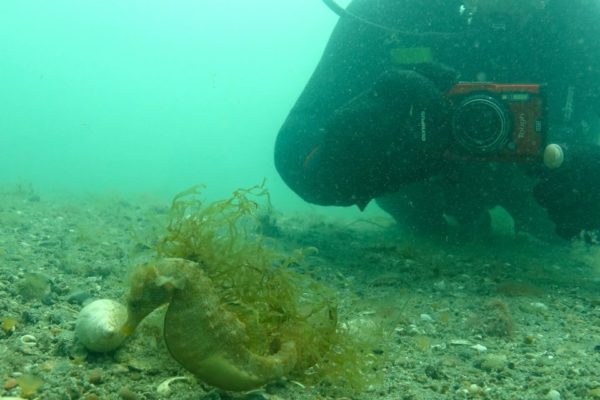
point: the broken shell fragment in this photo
(165, 386)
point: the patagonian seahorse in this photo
(201, 334)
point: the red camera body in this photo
(497, 122)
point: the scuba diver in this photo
(441, 110)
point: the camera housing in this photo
(497, 122)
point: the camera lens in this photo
(480, 125)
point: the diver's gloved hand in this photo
(571, 194)
(391, 134)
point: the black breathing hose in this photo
(343, 13)
(335, 7)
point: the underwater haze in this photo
(152, 96)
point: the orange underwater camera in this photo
(497, 122)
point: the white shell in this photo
(99, 325)
(553, 156)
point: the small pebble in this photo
(479, 347)
(256, 395)
(538, 307)
(426, 318)
(460, 342)
(128, 394)
(79, 297)
(95, 377)
(530, 339)
(553, 395)
(494, 362)
(441, 285)
(10, 383)
(474, 389)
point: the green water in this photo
(152, 96)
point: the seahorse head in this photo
(152, 285)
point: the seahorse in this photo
(201, 334)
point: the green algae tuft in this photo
(275, 306)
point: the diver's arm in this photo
(363, 127)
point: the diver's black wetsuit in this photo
(558, 46)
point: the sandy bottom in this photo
(507, 318)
